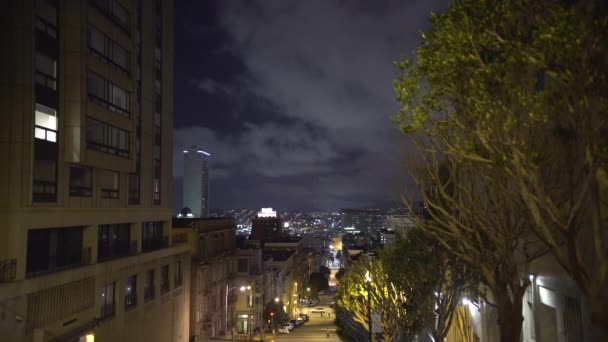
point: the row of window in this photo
(115, 12)
(55, 249)
(108, 94)
(156, 171)
(107, 50)
(108, 291)
(106, 138)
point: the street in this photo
(313, 330)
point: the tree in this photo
(325, 271)
(340, 273)
(275, 313)
(434, 280)
(316, 282)
(356, 294)
(514, 90)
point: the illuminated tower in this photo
(196, 181)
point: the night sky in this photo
(293, 99)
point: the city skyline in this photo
(289, 126)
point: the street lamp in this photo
(368, 281)
(243, 288)
(228, 289)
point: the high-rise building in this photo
(266, 226)
(196, 181)
(86, 121)
(368, 221)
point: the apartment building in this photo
(211, 242)
(86, 121)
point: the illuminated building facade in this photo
(196, 181)
(266, 226)
(86, 150)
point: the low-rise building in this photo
(211, 243)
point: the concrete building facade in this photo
(211, 243)
(85, 191)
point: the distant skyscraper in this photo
(196, 181)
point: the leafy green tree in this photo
(434, 280)
(513, 91)
(358, 296)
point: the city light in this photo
(267, 212)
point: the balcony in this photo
(62, 261)
(154, 244)
(8, 270)
(117, 249)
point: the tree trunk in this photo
(599, 317)
(510, 319)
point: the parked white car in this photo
(283, 330)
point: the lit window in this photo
(107, 300)
(45, 123)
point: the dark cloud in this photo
(313, 98)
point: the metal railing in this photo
(154, 244)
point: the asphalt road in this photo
(312, 331)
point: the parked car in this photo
(283, 330)
(288, 325)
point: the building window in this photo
(164, 279)
(242, 265)
(107, 50)
(179, 275)
(46, 71)
(45, 123)
(156, 181)
(80, 181)
(45, 180)
(113, 240)
(108, 95)
(107, 308)
(107, 138)
(46, 18)
(131, 291)
(115, 12)
(149, 286)
(152, 236)
(133, 188)
(108, 184)
(54, 249)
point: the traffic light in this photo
(272, 314)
